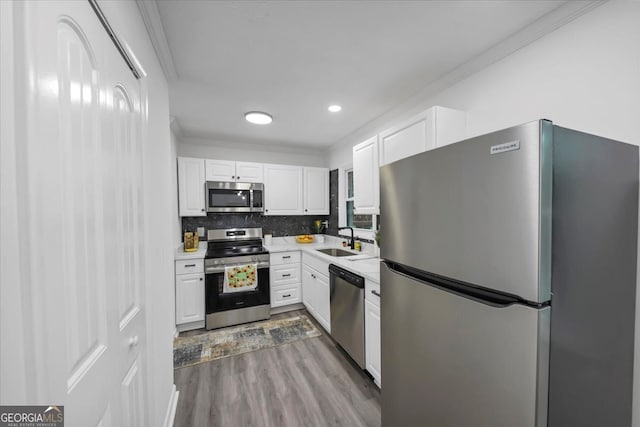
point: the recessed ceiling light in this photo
(258, 118)
(334, 108)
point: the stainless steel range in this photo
(231, 251)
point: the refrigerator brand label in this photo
(507, 146)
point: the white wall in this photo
(268, 153)
(159, 168)
(585, 75)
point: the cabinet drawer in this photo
(369, 289)
(318, 264)
(187, 266)
(284, 274)
(284, 258)
(285, 296)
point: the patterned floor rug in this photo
(188, 351)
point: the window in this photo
(364, 222)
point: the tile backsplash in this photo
(276, 225)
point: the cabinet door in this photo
(283, 190)
(366, 184)
(408, 138)
(220, 170)
(322, 295)
(316, 191)
(189, 298)
(249, 172)
(372, 340)
(191, 178)
(308, 288)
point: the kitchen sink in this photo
(336, 252)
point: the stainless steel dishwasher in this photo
(347, 312)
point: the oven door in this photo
(217, 301)
(229, 196)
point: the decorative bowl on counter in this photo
(304, 238)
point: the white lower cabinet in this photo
(190, 299)
(372, 331)
(315, 289)
(284, 278)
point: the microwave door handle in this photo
(251, 200)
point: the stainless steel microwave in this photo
(231, 197)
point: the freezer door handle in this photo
(466, 290)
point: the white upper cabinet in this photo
(220, 170)
(228, 170)
(191, 179)
(316, 191)
(283, 190)
(435, 127)
(366, 184)
(249, 172)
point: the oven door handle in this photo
(220, 268)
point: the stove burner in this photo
(216, 252)
(235, 242)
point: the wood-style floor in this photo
(307, 383)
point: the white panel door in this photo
(316, 191)
(322, 302)
(124, 220)
(191, 191)
(407, 139)
(366, 183)
(308, 289)
(81, 193)
(220, 170)
(189, 298)
(372, 340)
(249, 172)
(283, 190)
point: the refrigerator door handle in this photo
(464, 289)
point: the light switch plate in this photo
(200, 231)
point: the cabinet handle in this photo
(238, 178)
(233, 177)
(190, 265)
(286, 296)
(306, 210)
(314, 276)
(266, 210)
(286, 275)
(201, 210)
(376, 293)
(201, 279)
(286, 257)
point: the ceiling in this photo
(293, 59)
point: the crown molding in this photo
(153, 23)
(544, 25)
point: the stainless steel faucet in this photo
(352, 244)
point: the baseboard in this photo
(292, 307)
(170, 417)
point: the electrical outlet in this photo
(200, 231)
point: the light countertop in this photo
(199, 254)
(364, 264)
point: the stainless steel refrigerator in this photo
(508, 282)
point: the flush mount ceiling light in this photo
(334, 108)
(258, 118)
